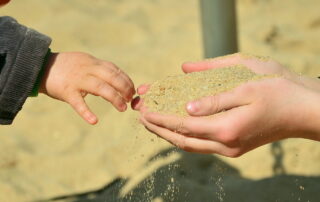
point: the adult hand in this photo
(255, 113)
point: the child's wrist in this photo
(36, 87)
(50, 62)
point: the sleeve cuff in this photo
(23, 67)
(35, 90)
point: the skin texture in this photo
(254, 113)
(70, 76)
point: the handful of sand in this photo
(171, 94)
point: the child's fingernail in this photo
(192, 107)
(91, 118)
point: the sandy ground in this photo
(50, 152)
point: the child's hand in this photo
(71, 76)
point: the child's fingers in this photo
(117, 79)
(100, 88)
(124, 75)
(115, 69)
(78, 104)
(142, 89)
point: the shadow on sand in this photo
(202, 178)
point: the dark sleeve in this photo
(22, 53)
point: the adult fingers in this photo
(78, 104)
(226, 128)
(250, 61)
(217, 62)
(213, 104)
(202, 127)
(98, 87)
(190, 144)
(120, 81)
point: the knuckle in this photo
(245, 89)
(111, 94)
(181, 143)
(214, 103)
(66, 87)
(110, 70)
(116, 72)
(229, 137)
(180, 127)
(116, 78)
(118, 100)
(100, 86)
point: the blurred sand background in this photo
(49, 152)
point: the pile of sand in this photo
(171, 94)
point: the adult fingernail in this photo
(192, 107)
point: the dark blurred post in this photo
(219, 27)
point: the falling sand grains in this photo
(171, 94)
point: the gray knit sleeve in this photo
(22, 53)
